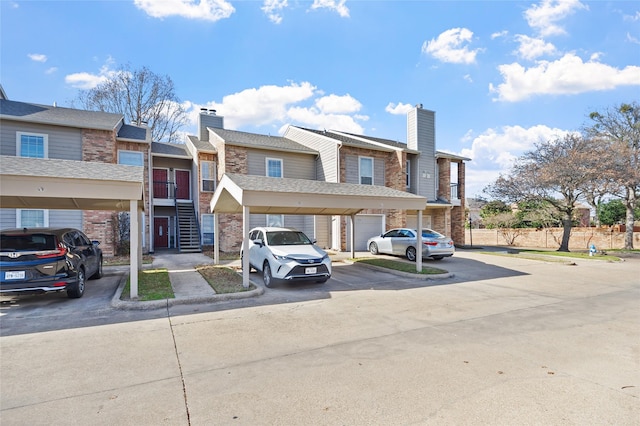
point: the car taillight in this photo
(60, 251)
(430, 243)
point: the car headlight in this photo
(281, 258)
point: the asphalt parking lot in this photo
(504, 341)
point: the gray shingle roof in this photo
(56, 168)
(170, 149)
(130, 132)
(202, 146)
(353, 140)
(252, 140)
(288, 185)
(59, 116)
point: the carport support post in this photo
(245, 245)
(419, 244)
(216, 240)
(353, 236)
(133, 248)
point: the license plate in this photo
(313, 270)
(14, 275)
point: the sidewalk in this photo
(188, 285)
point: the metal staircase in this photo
(188, 228)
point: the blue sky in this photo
(500, 75)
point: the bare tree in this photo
(618, 128)
(556, 172)
(507, 225)
(142, 97)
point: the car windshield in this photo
(429, 233)
(287, 238)
(27, 242)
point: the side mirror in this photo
(95, 242)
(258, 241)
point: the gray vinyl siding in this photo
(327, 165)
(421, 137)
(323, 231)
(7, 218)
(302, 223)
(63, 142)
(57, 218)
(65, 218)
(295, 166)
(175, 163)
(353, 170)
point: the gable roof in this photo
(303, 196)
(361, 141)
(161, 149)
(132, 133)
(201, 146)
(253, 140)
(59, 116)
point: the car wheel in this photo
(98, 273)
(411, 253)
(78, 289)
(266, 274)
(373, 248)
(438, 257)
(242, 262)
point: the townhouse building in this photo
(180, 180)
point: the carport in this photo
(249, 194)
(45, 183)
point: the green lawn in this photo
(153, 284)
(223, 279)
(561, 255)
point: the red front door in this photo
(160, 178)
(183, 185)
(161, 232)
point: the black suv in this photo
(40, 260)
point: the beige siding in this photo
(327, 166)
(296, 166)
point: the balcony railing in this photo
(454, 191)
(164, 190)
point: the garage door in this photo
(367, 226)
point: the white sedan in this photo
(283, 255)
(402, 242)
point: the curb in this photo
(425, 277)
(165, 303)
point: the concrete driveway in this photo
(506, 341)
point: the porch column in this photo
(245, 246)
(419, 244)
(134, 245)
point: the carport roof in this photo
(46, 183)
(266, 195)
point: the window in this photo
(274, 167)
(32, 145)
(32, 218)
(275, 220)
(208, 176)
(131, 158)
(408, 175)
(366, 171)
(207, 229)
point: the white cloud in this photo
(495, 150)
(51, 70)
(632, 18)
(503, 33)
(37, 57)
(272, 8)
(545, 16)
(398, 109)
(338, 104)
(279, 106)
(335, 5)
(568, 75)
(208, 10)
(87, 81)
(532, 48)
(451, 46)
(632, 39)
